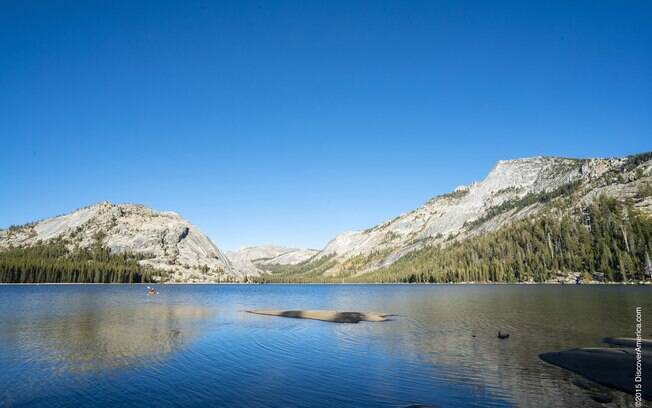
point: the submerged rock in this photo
(421, 406)
(627, 342)
(612, 367)
(325, 315)
(602, 398)
(596, 392)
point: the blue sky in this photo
(290, 122)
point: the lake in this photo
(193, 345)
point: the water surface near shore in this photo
(82, 345)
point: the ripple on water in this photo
(109, 345)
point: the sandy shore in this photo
(325, 315)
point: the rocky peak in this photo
(169, 242)
(446, 216)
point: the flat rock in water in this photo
(613, 367)
(421, 406)
(325, 315)
(627, 342)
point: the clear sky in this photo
(290, 122)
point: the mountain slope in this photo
(487, 219)
(257, 259)
(513, 190)
(163, 241)
(608, 240)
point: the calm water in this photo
(194, 346)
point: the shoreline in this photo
(648, 283)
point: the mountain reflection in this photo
(454, 330)
(101, 338)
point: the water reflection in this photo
(89, 336)
(106, 345)
(456, 331)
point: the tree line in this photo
(609, 239)
(54, 262)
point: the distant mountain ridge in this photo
(255, 260)
(173, 250)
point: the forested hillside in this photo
(53, 262)
(609, 237)
(529, 220)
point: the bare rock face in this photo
(169, 242)
(253, 260)
(446, 214)
(173, 245)
(446, 218)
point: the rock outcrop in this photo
(168, 242)
(473, 209)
